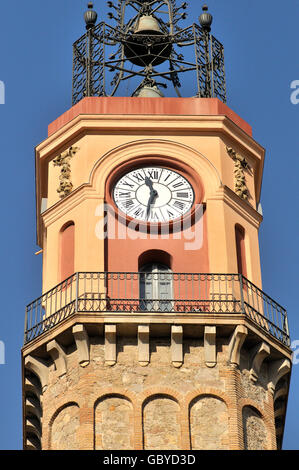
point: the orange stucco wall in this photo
(123, 255)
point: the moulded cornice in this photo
(239, 205)
(163, 123)
(65, 206)
(157, 319)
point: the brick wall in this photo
(129, 406)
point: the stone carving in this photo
(241, 164)
(63, 160)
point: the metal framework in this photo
(190, 293)
(107, 56)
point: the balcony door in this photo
(156, 288)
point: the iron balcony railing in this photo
(155, 292)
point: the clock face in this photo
(153, 194)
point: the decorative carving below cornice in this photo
(63, 160)
(241, 164)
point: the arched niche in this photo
(208, 423)
(64, 427)
(161, 423)
(254, 429)
(114, 423)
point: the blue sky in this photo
(261, 58)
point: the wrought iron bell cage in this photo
(144, 47)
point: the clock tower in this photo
(152, 330)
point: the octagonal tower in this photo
(153, 330)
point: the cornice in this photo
(65, 206)
(239, 205)
(147, 123)
(184, 319)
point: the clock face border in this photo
(140, 187)
(148, 162)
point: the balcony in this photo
(156, 293)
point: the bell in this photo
(149, 92)
(143, 51)
(147, 25)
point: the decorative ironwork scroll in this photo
(88, 64)
(217, 70)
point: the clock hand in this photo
(153, 195)
(149, 183)
(151, 200)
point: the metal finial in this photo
(90, 16)
(205, 19)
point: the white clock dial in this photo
(153, 194)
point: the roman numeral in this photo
(139, 212)
(154, 216)
(179, 205)
(171, 214)
(128, 203)
(139, 177)
(182, 195)
(177, 185)
(126, 183)
(153, 174)
(125, 194)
